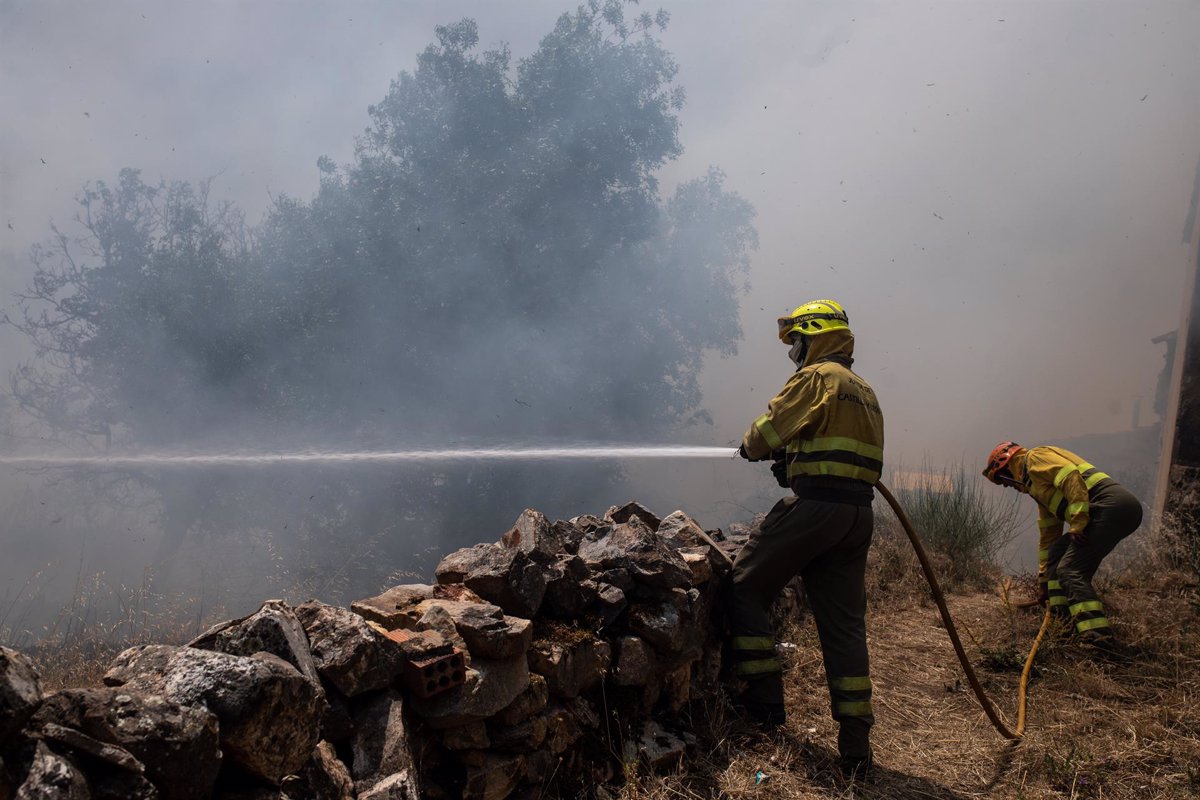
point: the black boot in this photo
(855, 767)
(854, 748)
(1104, 645)
(761, 701)
(765, 716)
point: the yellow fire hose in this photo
(940, 599)
(1025, 673)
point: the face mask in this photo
(798, 350)
(1005, 479)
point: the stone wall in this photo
(536, 666)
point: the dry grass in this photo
(81, 656)
(76, 645)
(73, 643)
(1097, 729)
(1177, 539)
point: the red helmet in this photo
(999, 458)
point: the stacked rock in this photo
(622, 631)
(534, 666)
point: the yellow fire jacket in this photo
(826, 417)
(1060, 482)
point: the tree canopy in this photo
(497, 263)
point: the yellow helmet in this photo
(810, 319)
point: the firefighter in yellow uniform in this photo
(1098, 513)
(824, 431)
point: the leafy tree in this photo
(497, 263)
(137, 324)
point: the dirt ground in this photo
(1096, 728)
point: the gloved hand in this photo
(742, 452)
(1078, 537)
(1043, 594)
(779, 470)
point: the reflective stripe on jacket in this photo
(826, 417)
(1061, 483)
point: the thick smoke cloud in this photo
(996, 192)
(496, 264)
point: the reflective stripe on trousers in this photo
(827, 543)
(754, 656)
(1115, 513)
(1089, 616)
(1058, 596)
(850, 696)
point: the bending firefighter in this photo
(1098, 512)
(824, 431)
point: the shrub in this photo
(958, 518)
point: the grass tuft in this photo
(960, 518)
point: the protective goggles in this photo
(803, 320)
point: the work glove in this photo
(1078, 537)
(742, 452)
(1043, 596)
(779, 469)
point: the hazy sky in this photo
(995, 191)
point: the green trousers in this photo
(1114, 513)
(826, 544)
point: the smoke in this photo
(467, 277)
(995, 193)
